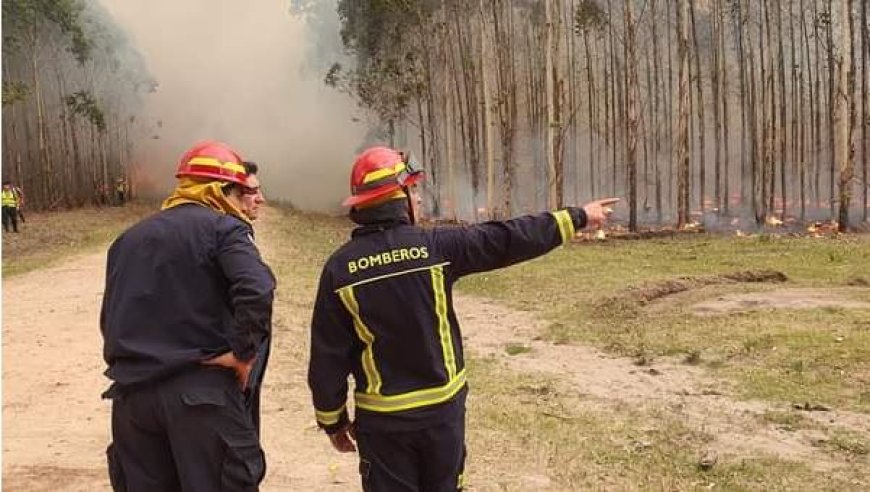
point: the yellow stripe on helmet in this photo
(212, 162)
(383, 173)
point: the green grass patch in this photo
(49, 237)
(589, 293)
(516, 349)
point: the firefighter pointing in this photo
(384, 314)
(186, 324)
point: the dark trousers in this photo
(192, 432)
(426, 460)
(10, 218)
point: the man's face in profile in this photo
(252, 197)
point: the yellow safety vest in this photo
(9, 199)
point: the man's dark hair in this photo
(250, 169)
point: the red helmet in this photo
(378, 172)
(212, 160)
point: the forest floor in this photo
(701, 362)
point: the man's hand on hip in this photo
(228, 359)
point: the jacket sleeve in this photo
(251, 289)
(329, 365)
(492, 245)
(108, 291)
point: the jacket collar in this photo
(386, 216)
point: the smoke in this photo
(243, 72)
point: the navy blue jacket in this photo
(384, 313)
(183, 285)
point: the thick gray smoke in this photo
(243, 72)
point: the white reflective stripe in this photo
(394, 274)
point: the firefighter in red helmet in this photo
(384, 314)
(186, 324)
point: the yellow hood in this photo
(205, 193)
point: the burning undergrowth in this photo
(736, 227)
(627, 302)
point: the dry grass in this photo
(49, 237)
(817, 355)
(529, 432)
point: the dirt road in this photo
(56, 428)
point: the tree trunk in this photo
(755, 146)
(817, 114)
(486, 111)
(631, 116)
(843, 109)
(744, 101)
(552, 181)
(723, 61)
(832, 142)
(865, 116)
(449, 124)
(656, 105)
(783, 141)
(699, 84)
(682, 142)
(717, 124)
(804, 143)
(590, 90)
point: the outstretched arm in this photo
(497, 244)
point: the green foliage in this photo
(385, 36)
(589, 17)
(83, 104)
(14, 92)
(24, 20)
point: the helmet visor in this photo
(412, 168)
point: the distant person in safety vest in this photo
(11, 202)
(186, 324)
(19, 194)
(121, 191)
(384, 314)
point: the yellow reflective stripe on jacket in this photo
(9, 199)
(329, 418)
(364, 334)
(443, 323)
(412, 399)
(566, 225)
